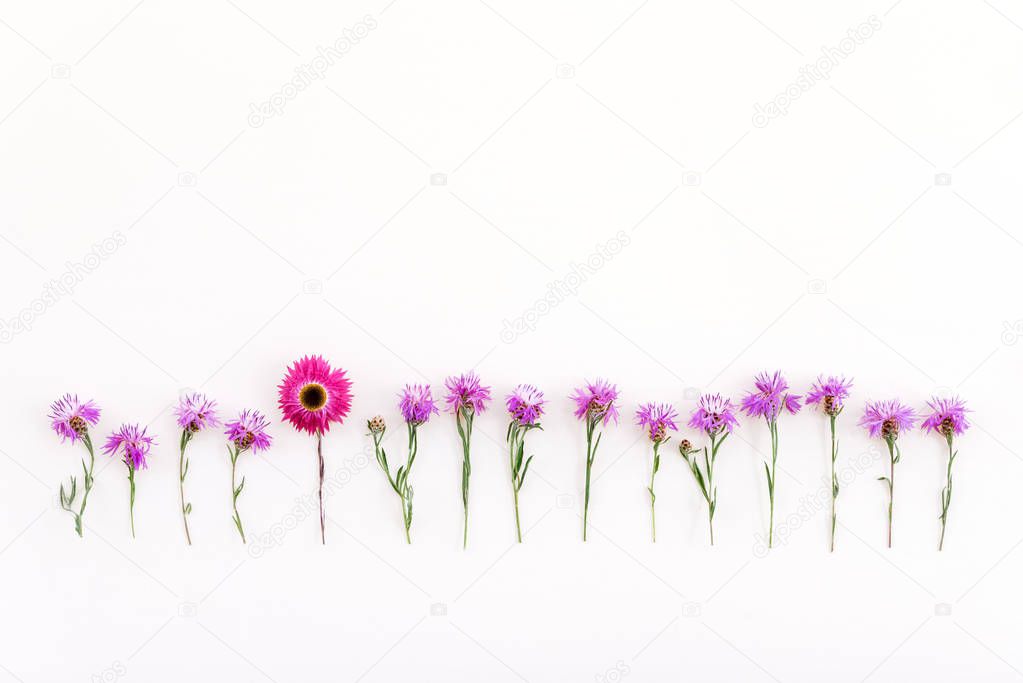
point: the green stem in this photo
(406, 488)
(131, 496)
(513, 448)
(80, 517)
(891, 488)
(653, 497)
(834, 483)
(591, 452)
(466, 436)
(946, 494)
(235, 492)
(772, 480)
(186, 436)
(711, 493)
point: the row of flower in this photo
(313, 396)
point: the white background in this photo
(822, 242)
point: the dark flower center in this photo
(244, 443)
(829, 405)
(946, 427)
(890, 429)
(79, 425)
(312, 397)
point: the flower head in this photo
(466, 393)
(770, 397)
(525, 404)
(195, 412)
(249, 431)
(657, 418)
(948, 416)
(313, 395)
(685, 447)
(829, 394)
(596, 401)
(887, 418)
(72, 418)
(376, 424)
(134, 443)
(713, 414)
(417, 404)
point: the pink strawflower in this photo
(313, 395)
(466, 393)
(134, 444)
(713, 414)
(249, 431)
(948, 416)
(195, 412)
(886, 419)
(829, 394)
(525, 404)
(657, 418)
(417, 404)
(770, 397)
(72, 418)
(596, 401)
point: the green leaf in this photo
(525, 469)
(188, 509)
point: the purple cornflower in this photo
(596, 401)
(770, 397)
(886, 419)
(135, 444)
(195, 412)
(948, 416)
(466, 393)
(72, 418)
(249, 431)
(658, 418)
(829, 393)
(525, 404)
(417, 404)
(713, 414)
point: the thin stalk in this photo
(591, 452)
(513, 437)
(946, 493)
(80, 517)
(891, 487)
(406, 488)
(131, 495)
(186, 508)
(834, 483)
(771, 479)
(236, 491)
(712, 494)
(653, 497)
(465, 433)
(319, 456)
